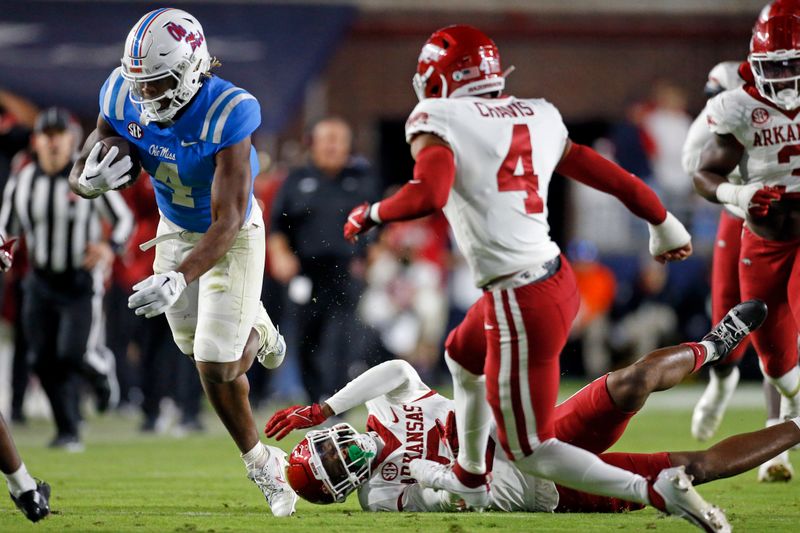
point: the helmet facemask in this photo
(341, 458)
(777, 76)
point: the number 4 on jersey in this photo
(516, 172)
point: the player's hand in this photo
(678, 254)
(669, 241)
(99, 176)
(7, 254)
(358, 222)
(157, 293)
(448, 432)
(295, 417)
(762, 200)
(96, 253)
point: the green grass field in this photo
(128, 482)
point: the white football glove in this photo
(157, 293)
(7, 253)
(100, 176)
(667, 236)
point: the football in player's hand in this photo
(125, 148)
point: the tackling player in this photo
(756, 127)
(487, 159)
(192, 133)
(404, 430)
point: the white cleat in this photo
(271, 479)
(437, 476)
(776, 469)
(273, 346)
(711, 407)
(682, 500)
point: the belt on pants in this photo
(526, 276)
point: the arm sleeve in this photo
(8, 225)
(585, 165)
(113, 208)
(396, 379)
(429, 116)
(721, 114)
(239, 118)
(434, 173)
(696, 139)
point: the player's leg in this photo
(225, 345)
(532, 324)
(30, 496)
(739, 453)
(765, 271)
(724, 376)
(730, 457)
(465, 355)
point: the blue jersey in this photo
(181, 158)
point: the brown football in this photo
(125, 148)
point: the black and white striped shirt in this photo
(57, 223)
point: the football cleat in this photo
(437, 476)
(271, 479)
(674, 485)
(273, 346)
(738, 323)
(34, 504)
(776, 469)
(711, 407)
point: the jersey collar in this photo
(752, 90)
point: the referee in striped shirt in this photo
(69, 257)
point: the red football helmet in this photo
(458, 61)
(329, 464)
(775, 53)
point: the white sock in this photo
(578, 469)
(773, 422)
(473, 417)
(257, 457)
(711, 351)
(20, 481)
(264, 327)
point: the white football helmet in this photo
(165, 43)
(722, 77)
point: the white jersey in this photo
(405, 420)
(699, 135)
(770, 136)
(505, 151)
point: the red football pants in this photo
(725, 275)
(515, 337)
(770, 270)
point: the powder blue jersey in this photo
(181, 158)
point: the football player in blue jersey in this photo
(192, 131)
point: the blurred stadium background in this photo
(627, 75)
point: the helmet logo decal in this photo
(431, 52)
(135, 130)
(177, 31)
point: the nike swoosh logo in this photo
(185, 143)
(488, 326)
(396, 420)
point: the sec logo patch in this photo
(135, 130)
(759, 115)
(389, 471)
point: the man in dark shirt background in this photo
(307, 253)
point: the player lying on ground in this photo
(406, 441)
